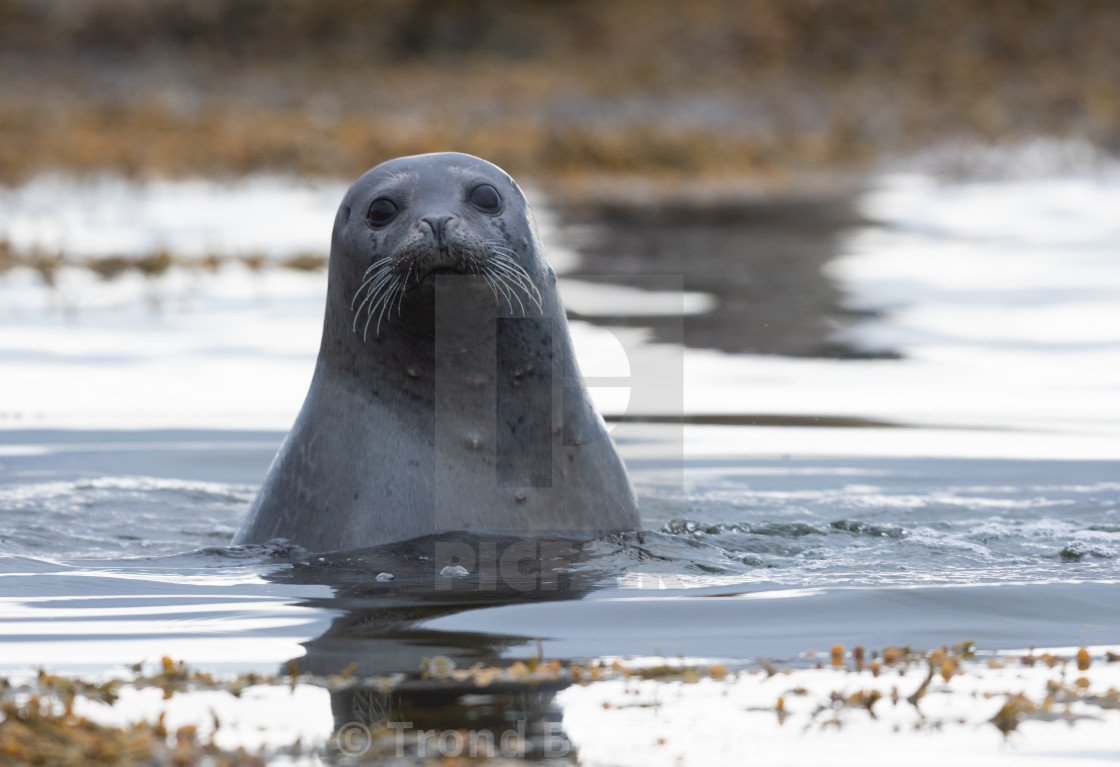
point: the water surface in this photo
(899, 426)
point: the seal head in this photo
(446, 395)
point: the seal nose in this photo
(438, 225)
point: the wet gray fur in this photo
(446, 395)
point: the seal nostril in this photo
(438, 225)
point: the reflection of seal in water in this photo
(446, 395)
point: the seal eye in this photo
(382, 211)
(486, 198)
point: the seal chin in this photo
(438, 270)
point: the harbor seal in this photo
(446, 395)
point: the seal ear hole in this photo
(346, 213)
(382, 211)
(486, 198)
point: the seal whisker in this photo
(509, 283)
(503, 279)
(510, 255)
(505, 257)
(358, 292)
(361, 292)
(385, 274)
(357, 295)
(358, 311)
(374, 287)
(373, 273)
(386, 304)
(497, 285)
(404, 289)
(365, 330)
(490, 284)
(357, 314)
(514, 271)
(382, 297)
(520, 278)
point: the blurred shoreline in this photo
(778, 93)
